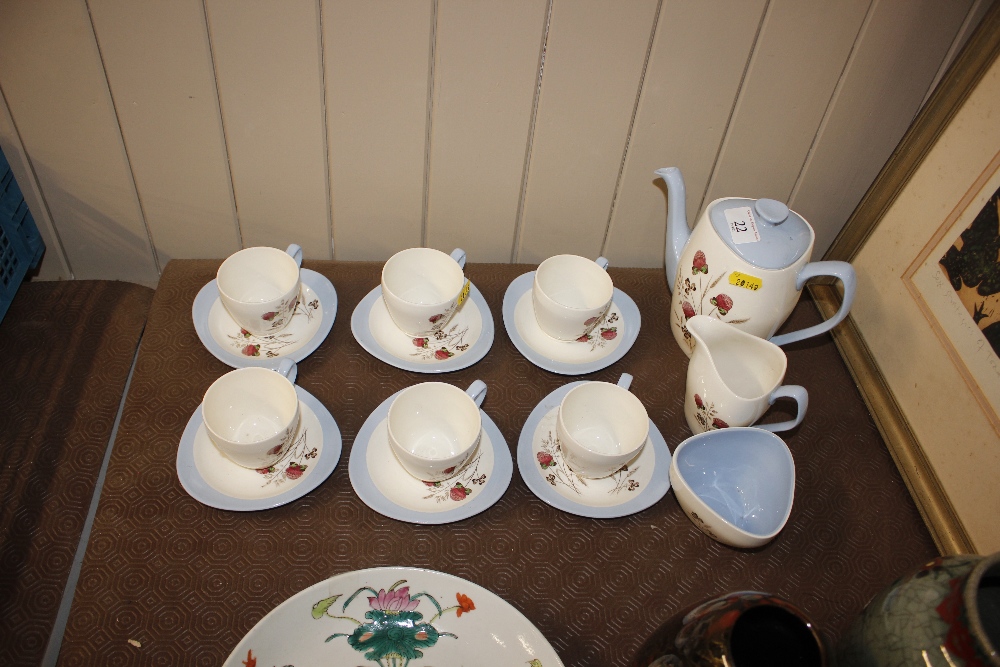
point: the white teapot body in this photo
(745, 263)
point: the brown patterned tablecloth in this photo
(186, 581)
(67, 350)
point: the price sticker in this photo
(464, 294)
(742, 225)
(752, 283)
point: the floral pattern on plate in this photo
(422, 618)
(250, 345)
(461, 486)
(617, 488)
(705, 414)
(556, 472)
(442, 345)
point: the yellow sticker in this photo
(464, 295)
(745, 281)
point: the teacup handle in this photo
(459, 256)
(602, 262)
(477, 391)
(625, 381)
(841, 270)
(295, 250)
(288, 368)
(793, 391)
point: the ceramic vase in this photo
(744, 629)
(945, 613)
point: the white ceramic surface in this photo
(466, 339)
(631, 490)
(736, 485)
(308, 327)
(734, 377)
(212, 479)
(571, 295)
(711, 279)
(434, 427)
(607, 343)
(601, 427)
(251, 414)
(387, 488)
(423, 287)
(451, 621)
(260, 287)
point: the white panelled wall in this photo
(146, 131)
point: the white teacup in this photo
(601, 427)
(422, 288)
(734, 377)
(434, 428)
(260, 287)
(570, 295)
(251, 414)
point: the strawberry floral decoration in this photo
(692, 294)
(699, 264)
(271, 345)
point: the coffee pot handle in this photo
(840, 270)
(799, 395)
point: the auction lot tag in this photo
(742, 225)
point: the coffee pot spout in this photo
(678, 231)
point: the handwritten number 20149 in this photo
(741, 282)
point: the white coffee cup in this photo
(251, 414)
(434, 428)
(260, 287)
(601, 427)
(570, 295)
(423, 287)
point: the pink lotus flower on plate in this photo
(397, 600)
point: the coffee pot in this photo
(745, 263)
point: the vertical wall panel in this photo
(794, 70)
(485, 75)
(159, 68)
(593, 67)
(695, 68)
(51, 74)
(268, 64)
(892, 66)
(54, 265)
(377, 58)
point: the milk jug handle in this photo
(796, 393)
(840, 270)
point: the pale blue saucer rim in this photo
(368, 492)
(627, 307)
(658, 485)
(209, 294)
(199, 489)
(362, 334)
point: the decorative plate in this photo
(310, 324)
(638, 485)
(214, 480)
(394, 617)
(465, 340)
(610, 340)
(382, 483)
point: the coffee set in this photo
(430, 454)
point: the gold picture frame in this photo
(871, 368)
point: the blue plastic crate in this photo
(21, 247)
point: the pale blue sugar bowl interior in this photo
(745, 475)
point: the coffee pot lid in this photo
(764, 232)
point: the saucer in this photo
(638, 485)
(311, 322)
(382, 483)
(466, 338)
(214, 480)
(610, 340)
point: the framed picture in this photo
(923, 338)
